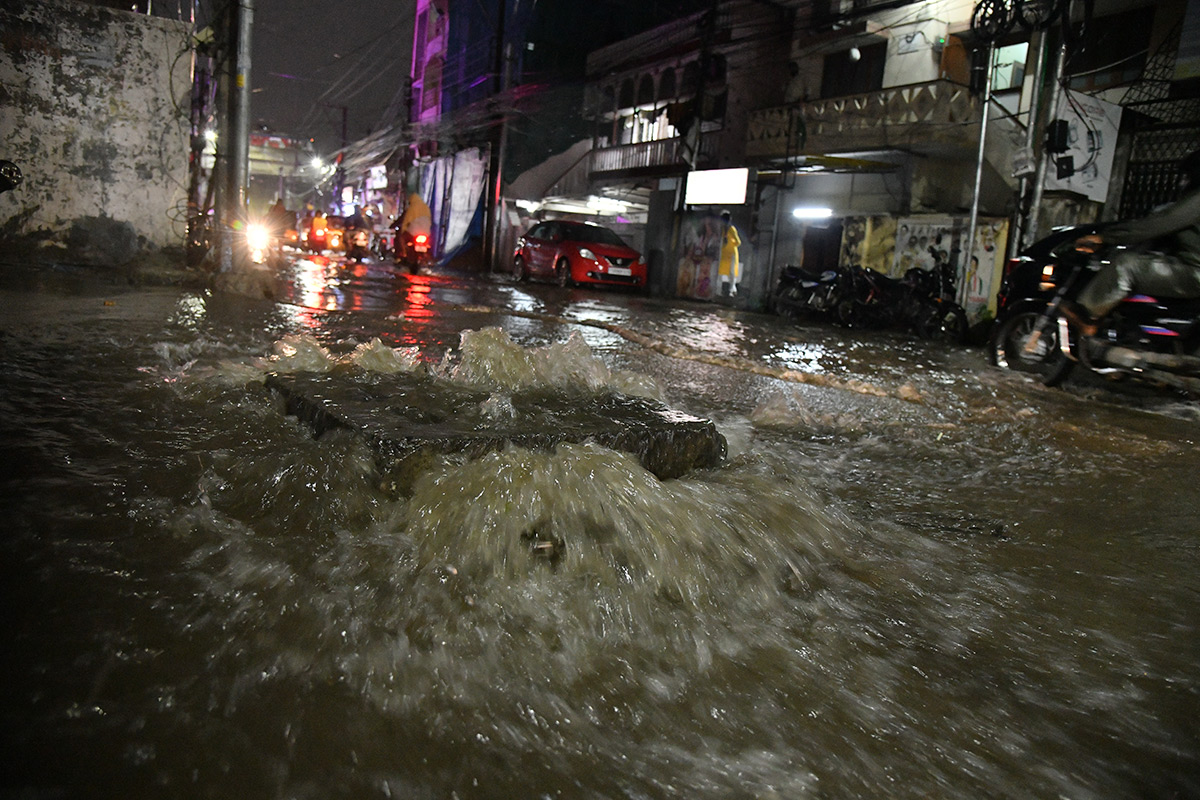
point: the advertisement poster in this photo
(923, 242)
(1092, 126)
(699, 256)
(869, 242)
(986, 268)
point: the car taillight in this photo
(1010, 265)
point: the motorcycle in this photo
(358, 244)
(414, 250)
(262, 246)
(920, 302)
(1145, 340)
(801, 293)
(315, 240)
(382, 243)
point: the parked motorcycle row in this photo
(857, 297)
(1149, 342)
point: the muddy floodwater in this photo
(913, 576)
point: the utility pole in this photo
(233, 143)
(1016, 236)
(339, 176)
(964, 268)
(491, 225)
(1039, 185)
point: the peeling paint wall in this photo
(94, 110)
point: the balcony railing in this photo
(646, 158)
(921, 117)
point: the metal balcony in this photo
(929, 118)
(647, 159)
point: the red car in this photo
(578, 252)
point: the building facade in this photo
(870, 116)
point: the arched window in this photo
(626, 99)
(666, 85)
(691, 78)
(645, 95)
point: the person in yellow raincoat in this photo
(730, 268)
(416, 217)
(415, 221)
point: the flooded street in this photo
(913, 576)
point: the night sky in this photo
(311, 57)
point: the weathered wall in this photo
(93, 108)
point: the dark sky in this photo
(310, 58)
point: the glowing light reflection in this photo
(803, 357)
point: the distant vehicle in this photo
(577, 252)
(335, 232)
(414, 249)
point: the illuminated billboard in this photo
(724, 187)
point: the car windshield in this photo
(591, 233)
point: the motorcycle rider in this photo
(1175, 273)
(357, 220)
(415, 219)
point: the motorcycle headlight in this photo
(257, 237)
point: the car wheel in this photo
(562, 272)
(520, 273)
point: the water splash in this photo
(490, 359)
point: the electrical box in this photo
(1058, 135)
(1064, 167)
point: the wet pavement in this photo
(913, 575)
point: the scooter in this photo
(414, 250)
(802, 293)
(262, 246)
(315, 240)
(1147, 340)
(358, 244)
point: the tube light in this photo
(812, 212)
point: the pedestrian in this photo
(730, 268)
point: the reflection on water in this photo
(987, 593)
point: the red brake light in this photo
(420, 238)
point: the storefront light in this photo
(606, 205)
(812, 212)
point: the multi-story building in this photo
(496, 89)
(865, 117)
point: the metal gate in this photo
(1152, 177)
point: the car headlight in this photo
(588, 254)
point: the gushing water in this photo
(879, 596)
